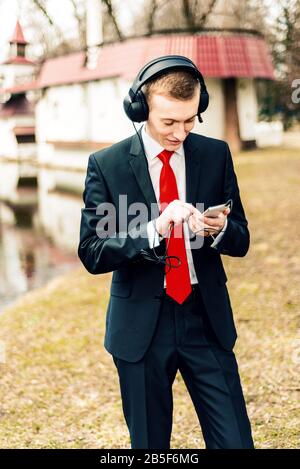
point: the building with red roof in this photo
(80, 107)
(71, 105)
(17, 113)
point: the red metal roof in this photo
(18, 36)
(33, 85)
(216, 55)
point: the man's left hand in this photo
(213, 226)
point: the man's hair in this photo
(177, 84)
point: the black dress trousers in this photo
(184, 341)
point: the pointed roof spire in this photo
(18, 36)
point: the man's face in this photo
(170, 120)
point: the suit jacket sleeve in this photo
(101, 254)
(236, 238)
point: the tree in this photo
(158, 15)
(55, 40)
(196, 15)
(284, 39)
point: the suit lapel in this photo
(192, 169)
(139, 165)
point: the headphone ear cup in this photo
(204, 100)
(127, 106)
(136, 110)
(143, 109)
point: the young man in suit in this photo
(169, 307)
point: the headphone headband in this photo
(162, 65)
(135, 104)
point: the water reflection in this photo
(28, 257)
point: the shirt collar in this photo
(153, 148)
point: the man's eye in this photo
(186, 122)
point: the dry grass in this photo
(59, 387)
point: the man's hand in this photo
(206, 226)
(176, 212)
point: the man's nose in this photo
(180, 133)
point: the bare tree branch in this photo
(41, 6)
(43, 9)
(81, 22)
(203, 18)
(188, 14)
(153, 9)
(111, 13)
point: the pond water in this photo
(29, 258)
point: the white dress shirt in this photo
(177, 163)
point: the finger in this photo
(203, 228)
(198, 216)
(187, 213)
(195, 211)
(210, 221)
(192, 210)
(195, 224)
(181, 215)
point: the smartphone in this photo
(214, 211)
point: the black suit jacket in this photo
(137, 283)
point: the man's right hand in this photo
(176, 212)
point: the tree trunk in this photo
(232, 132)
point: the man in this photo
(169, 307)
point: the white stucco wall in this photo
(107, 119)
(247, 108)
(213, 124)
(61, 114)
(13, 72)
(8, 142)
(94, 111)
(89, 111)
(9, 175)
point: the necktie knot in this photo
(165, 156)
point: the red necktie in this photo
(177, 278)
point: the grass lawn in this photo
(59, 387)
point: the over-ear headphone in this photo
(135, 104)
